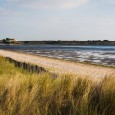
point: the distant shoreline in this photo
(58, 42)
(106, 42)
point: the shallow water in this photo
(104, 55)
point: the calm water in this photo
(104, 55)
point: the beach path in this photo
(60, 66)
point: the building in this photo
(9, 41)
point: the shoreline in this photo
(71, 61)
(61, 66)
(86, 54)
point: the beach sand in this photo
(61, 66)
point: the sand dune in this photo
(61, 66)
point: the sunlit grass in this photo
(22, 93)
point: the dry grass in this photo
(22, 93)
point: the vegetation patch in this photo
(22, 92)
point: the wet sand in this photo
(61, 66)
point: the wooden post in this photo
(30, 68)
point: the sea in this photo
(103, 55)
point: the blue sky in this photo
(57, 19)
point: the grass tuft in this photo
(40, 94)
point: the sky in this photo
(57, 19)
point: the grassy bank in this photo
(22, 93)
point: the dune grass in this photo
(23, 93)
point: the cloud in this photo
(64, 4)
(109, 1)
(4, 11)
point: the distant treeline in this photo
(59, 42)
(104, 42)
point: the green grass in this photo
(22, 93)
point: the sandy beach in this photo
(60, 66)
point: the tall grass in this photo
(22, 93)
